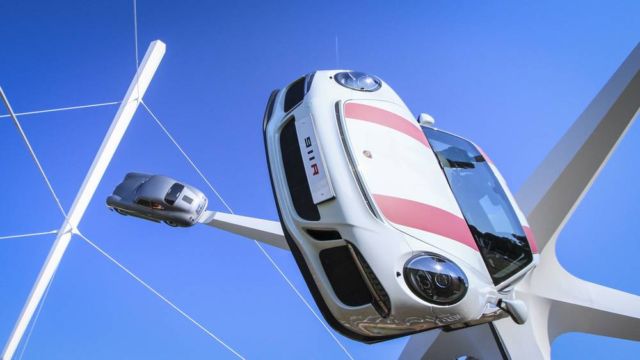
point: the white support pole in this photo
(116, 131)
(555, 188)
(266, 231)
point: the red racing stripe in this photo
(425, 217)
(385, 118)
(532, 240)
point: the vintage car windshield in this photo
(484, 204)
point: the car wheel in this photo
(171, 223)
(120, 211)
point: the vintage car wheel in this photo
(120, 211)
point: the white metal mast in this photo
(116, 131)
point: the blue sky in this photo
(512, 77)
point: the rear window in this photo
(174, 193)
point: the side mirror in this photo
(517, 309)
(426, 120)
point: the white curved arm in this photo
(266, 231)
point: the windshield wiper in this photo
(460, 164)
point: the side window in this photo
(157, 206)
(150, 204)
(143, 202)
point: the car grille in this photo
(295, 174)
(352, 279)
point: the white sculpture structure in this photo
(558, 302)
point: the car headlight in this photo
(435, 279)
(358, 81)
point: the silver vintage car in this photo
(158, 198)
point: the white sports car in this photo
(396, 227)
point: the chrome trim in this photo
(374, 294)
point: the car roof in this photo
(156, 187)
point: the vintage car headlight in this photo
(435, 279)
(358, 81)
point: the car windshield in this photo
(173, 193)
(484, 204)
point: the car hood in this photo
(401, 174)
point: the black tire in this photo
(171, 223)
(120, 211)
